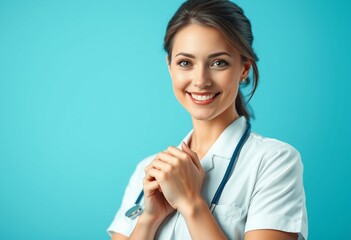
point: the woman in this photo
(209, 54)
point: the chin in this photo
(202, 117)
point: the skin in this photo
(201, 62)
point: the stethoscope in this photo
(136, 210)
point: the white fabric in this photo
(265, 190)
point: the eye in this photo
(184, 63)
(219, 64)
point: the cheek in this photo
(179, 80)
(228, 82)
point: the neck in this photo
(206, 132)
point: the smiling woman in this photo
(206, 71)
(223, 181)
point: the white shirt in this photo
(264, 191)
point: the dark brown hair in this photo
(229, 19)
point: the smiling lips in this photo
(203, 98)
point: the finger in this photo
(148, 177)
(157, 174)
(161, 165)
(177, 153)
(146, 171)
(168, 158)
(150, 187)
(192, 155)
(150, 165)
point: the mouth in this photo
(203, 98)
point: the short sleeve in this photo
(122, 224)
(278, 199)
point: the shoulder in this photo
(271, 151)
(267, 144)
(270, 146)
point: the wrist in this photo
(145, 228)
(200, 221)
(193, 207)
(149, 221)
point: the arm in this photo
(202, 225)
(118, 236)
(267, 234)
(144, 229)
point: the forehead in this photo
(199, 39)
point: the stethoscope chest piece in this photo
(134, 211)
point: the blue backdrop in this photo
(85, 94)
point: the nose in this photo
(201, 78)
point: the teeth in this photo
(202, 97)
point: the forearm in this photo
(145, 228)
(201, 223)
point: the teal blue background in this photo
(85, 94)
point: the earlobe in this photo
(246, 71)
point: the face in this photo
(206, 71)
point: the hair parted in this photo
(230, 20)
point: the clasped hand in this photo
(172, 180)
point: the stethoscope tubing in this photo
(230, 167)
(136, 210)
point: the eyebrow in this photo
(209, 56)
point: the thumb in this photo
(192, 155)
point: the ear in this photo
(246, 69)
